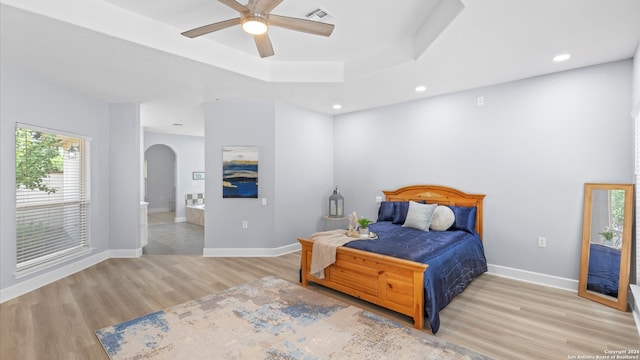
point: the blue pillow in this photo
(394, 211)
(385, 212)
(400, 210)
(465, 218)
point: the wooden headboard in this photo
(442, 195)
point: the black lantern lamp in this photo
(73, 152)
(336, 204)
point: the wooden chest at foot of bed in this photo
(392, 283)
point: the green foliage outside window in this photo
(37, 155)
(617, 209)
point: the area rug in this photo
(271, 319)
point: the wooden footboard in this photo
(392, 283)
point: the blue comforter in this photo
(604, 270)
(455, 258)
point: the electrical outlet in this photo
(480, 100)
(245, 224)
(378, 199)
(542, 241)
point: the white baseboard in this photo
(125, 253)
(533, 277)
(251, 252)
(50, 276)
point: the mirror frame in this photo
(625, 254)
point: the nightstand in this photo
(333, 223)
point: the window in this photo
(615, 209)
(636, 116)
(52, 197)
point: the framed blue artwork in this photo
(240, 172)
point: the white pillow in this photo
(419, 215)
(442, 218)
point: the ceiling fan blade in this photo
(264, 45)
(308, 26)
(265, 6)
(234, 5)
(203, 30)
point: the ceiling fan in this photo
(256, 17)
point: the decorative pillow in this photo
(419, 215)
(400, 209)
(386, 210)
(465, 218)
(442, 219)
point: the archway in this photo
(160, 182)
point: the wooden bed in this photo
(392, 283)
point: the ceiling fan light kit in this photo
(255, 19)
(254, 25)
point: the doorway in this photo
(168, 233)
(160, 183)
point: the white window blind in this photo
(52, 197)
(636, 125)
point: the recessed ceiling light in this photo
(337, 106)
(421, 88)
(561, 57)
(177, 124)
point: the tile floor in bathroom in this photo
(167, 237)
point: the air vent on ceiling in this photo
(318, 14)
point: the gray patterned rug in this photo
(271, 319)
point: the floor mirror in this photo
(606, 244)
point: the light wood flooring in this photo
(501, 318)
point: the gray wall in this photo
(295, 162)
(189, 152)
(239, 124)
(161, 173)
(530, 149)
(29, 99)
(304, 172)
